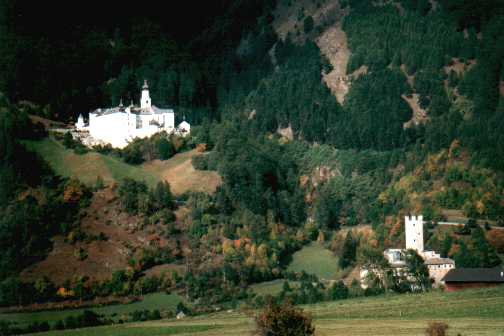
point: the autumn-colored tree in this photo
(74, 191)
(283, 320)
(436, 329)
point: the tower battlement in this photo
(413, 227)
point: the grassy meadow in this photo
(178, 170)
(316, 259)
(161, 301)
(87, 167)
(477, 312)
(272, 287)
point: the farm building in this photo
(462, 278)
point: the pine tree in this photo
(349, 253)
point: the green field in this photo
(135, 330)
(316, 259)
(468, 313)
(161, 301)
(272, 287)
(88, 166)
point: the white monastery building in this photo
(119, 125)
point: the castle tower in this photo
(145, 101)
(414, 233)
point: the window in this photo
(138, 122)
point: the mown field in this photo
(468, 313)
(178, 170)
(316, 259)
(272, 287)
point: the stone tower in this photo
(145, 101)
(414, 233)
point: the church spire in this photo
(145, 101)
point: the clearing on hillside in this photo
(178, 170)
(181, 175)
(87, 167)
(316, 259)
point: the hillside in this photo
(316, 126)
(124, 238)
(178, 170)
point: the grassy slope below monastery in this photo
(178, 170)
(470, 312)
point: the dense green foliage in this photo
(477, 252)
(155, 204)
(158, 146)
(34, 204)
(424, 41)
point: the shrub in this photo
(80, 149)
(200, 162)
(145, 315)
(308, 24)
(436, 329)
(165, 149)
(70, 322)
(99, 184)
(339, 291)
(283, 320)
(182, 308)
(59, 325)
(68, 140)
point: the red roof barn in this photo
(461, 278)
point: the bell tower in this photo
(145, 101)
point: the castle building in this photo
(438, 267)
(119, 125)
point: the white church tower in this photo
(145, 101)
(414, 233)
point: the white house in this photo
(119, 125)
(184, 128)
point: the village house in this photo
(119, 125)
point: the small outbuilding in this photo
(462, 278)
